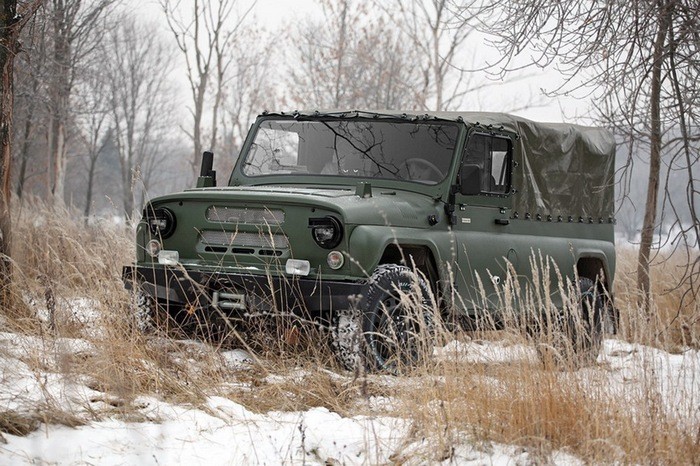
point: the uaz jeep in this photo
(355, 219)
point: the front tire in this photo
(152, 317)
(147, 315)
(393, 325)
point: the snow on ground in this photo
(229, 434)
(221, 431)
(673, 378)
(628, 370)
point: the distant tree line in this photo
(112, 108)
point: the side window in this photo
(492, 154)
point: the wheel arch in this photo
(410, 255)
(595, 267)
(395, 246)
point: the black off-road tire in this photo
(347, 339)
(150, 317)
(392, 327)
(144, 310)
(573, 341)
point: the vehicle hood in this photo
(385, 206)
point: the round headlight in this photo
(326, 231)
(161, 222)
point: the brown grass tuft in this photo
(14, 423)
(675, 321)
(520, 403)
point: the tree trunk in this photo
(27, 135)
(127, 181)
(60, 97)
(437, 67)
(341, 54)
(197, 130)
(90, 183)
(8, 50)
(24, 151)
(57, 146)
(648, 227)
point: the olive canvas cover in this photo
(561, 169)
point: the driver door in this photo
(482, 220)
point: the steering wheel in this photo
(425, 164)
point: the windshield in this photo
(414, 151)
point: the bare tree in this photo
(204, 30)
(351, 58)
(449, 67)
(72, 37)
(641, 62)
(30, 101)
(430, 28)
(383, 68)
(138, 64)
(94, 129)
(249, 87)
(11, 23)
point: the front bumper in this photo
(241, 294)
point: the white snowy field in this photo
(54, 410)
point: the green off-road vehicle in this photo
(379, 226)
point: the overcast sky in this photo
(277, 15)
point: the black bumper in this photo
(266, 293)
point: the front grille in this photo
(245, 239)
(244, 215)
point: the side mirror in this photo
(207, 176)
(470, 180)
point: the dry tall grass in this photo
(59, 258)
(675, 319)
(519, 403)
(599, 412)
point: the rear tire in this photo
(572, 340)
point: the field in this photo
(80, 384)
